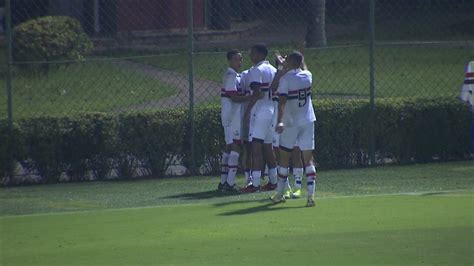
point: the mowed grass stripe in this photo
(447, 193)
(402, 230)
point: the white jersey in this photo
(263, 74)
(296, 85)
(245, 86)
(231, 87)
(467, 90)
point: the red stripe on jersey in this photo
(296, 91)
(469, 74)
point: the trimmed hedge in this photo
(50, 38)
(99, 146)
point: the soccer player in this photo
(295, 123)
(231, 99)
(247, 145)
(467, 96)
(260, 111)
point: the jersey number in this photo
(302, 99)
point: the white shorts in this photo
(233, 130)
(276, 139)
(261, 122)
(302, 136)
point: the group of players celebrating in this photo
(267, 113)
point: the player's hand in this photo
(280, 60)
(279, 128)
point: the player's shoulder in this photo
(306, 74)
(254, 69)
(266, 66)
(230, 74)
(288, 75)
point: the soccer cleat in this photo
(310, 202)
(296, 194)
(269, 187)
(287, 194)
(250, 189)
(222, 187)
(278, 198)
(234, 188)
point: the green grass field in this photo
(82, 87)
(411, 215)
(401, 71)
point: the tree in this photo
(316, 29)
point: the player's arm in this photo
(257, 94)
(283, 92)
(281, 110)
(282, 69)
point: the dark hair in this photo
(261, 48)
(296, 57)
(231, 53)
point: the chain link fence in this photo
(131, 55)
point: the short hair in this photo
(296, 57)
(261, 48)
(231, 53)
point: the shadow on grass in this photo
(261, 208)
(202, 195)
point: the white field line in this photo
(418, 193)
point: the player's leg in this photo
(225, 159)
(270, 159)
(234, 154)
(247, 152)
(297, 163)
(259, 127)
(306, 142)
(282, 184)
(247, 162)
(287, 142)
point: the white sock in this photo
(311, 175)
(233, 164)
(248, 176)
(224, 167)
(256, 175)
(282, 180)
(265, 173)
(298, 173)
(282, 184)
(272, 175)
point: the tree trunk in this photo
(316, 30)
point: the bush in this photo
(208, 139)
(50, 38)
(153, 139)
(10, 149)
(91, 145)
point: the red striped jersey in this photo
(296, 86)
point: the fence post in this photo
(8, 76)
(191, 85)
(372, 82)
